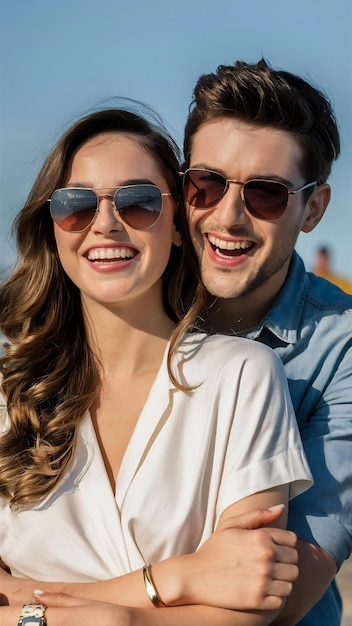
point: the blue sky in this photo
(59, 58)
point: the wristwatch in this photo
(32, 615)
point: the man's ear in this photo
(315, 207)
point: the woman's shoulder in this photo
(234, 344)
(227, 351)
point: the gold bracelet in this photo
(151, 588)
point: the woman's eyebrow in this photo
(130, 181)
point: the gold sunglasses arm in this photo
(304, 187)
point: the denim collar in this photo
(284, 316)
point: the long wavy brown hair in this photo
(46, 393)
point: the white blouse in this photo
(191, 455)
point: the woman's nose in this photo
(107, 218)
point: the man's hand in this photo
(317, 569)
(242, 566)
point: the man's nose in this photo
(231, 210)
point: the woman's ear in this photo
(176, 240)
(315, 207)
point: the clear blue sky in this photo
(58, 58)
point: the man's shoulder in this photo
(306, 295)
(321, 310)
(326, 295)
(315, 290)
(308, 306)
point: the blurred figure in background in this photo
(322, 267)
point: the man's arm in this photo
(316, 571)
(321, 517)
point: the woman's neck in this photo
(127, 339)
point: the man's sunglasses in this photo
(74, 208)
(264, 199)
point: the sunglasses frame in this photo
(242, 190)
(112, 196)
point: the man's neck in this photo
(244, 312)
(235, 315)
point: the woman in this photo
(128, 437)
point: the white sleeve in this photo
(264, 447)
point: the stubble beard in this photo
(224, 283)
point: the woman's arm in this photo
(63, 610)
(89, 613)
(262, 588)
(78, 612)
(229, 556)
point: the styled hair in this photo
(47, 394)
(259, 95)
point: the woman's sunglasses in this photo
(264, 199)
(74, 208)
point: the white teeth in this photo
(110, 253)
(229, 245)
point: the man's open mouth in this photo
(229, 248)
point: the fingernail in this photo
(38, 592)
(276, 507)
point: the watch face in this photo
(32, 615)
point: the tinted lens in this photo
(73, 209)
(202, 188)
(265, 199)
(139, 205)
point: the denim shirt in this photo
(310, 327)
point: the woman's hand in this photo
(15, 591)
(64, 609)
(241, 566)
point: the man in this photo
(259, 145)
